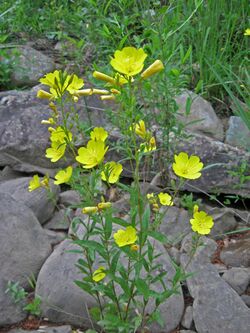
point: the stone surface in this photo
(29, 66)
(24, 248)
(217, 308)
(187, 317)
(45, 329)
(70, 197)
(238, 278)
(246, 299)
(224, 220)
(60, 221)
(38, 201)
(238, 134)
(237, 253)
(23, 139)
(7, 174)
(55, 284)
(202, 117)
(220, 159)
(175, 224)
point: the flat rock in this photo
(23, 139)
(220, 158)
(60, 221)
(175, 224)
(55, 284)
(48, 329)
(29, 66)
(217, 308)
(238, 134)
(187, 317)
(70, 197)
(237, 253)
(38, 201)
(24, 248)
(202, 117)
(238, 278)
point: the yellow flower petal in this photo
(63, 176)
(111, 172)
(99, 134)
(186, 167)
(92, 155)
(99, 274)
(34, 183)
(125, 237)
(202, 223)
(165, 199)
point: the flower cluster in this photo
(149, 143)
(36, 182)
(162, 198)
(59, 138)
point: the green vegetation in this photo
(201, 42)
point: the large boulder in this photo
(29, 65)
(24, 248)
(201, 117)
(217, 308)
(56, 283)
(238, 134)
(38, 201)
(23, 139)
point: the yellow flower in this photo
(150, 145)
(60, 82)
(92, 155)
(34, 183)
(151, 198)
(152, 69)
(60, 135)
(129, 61)
(140, 129)
(99, 134)
(125, 237)
(186, 167)
(247, 32)
(99, 274)
(201, 222)
(111, 172)
(104, 205)
(89, 210)
(165, 199)
(63, 176)
(56, 151)
(45, 181)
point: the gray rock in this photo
(60, 221)
(175, 224)
(187, 317)
(187, 331)
(246, 299)
(223, 158)
(55, 237)
(237, 253)
(238, 278)
(70, 197)
(55, 284)
(202, 117)
(238, 133)
(224, 221)
(174, 254)
(24, 248)
(7, 174)
(44, 329)
(23, 139)
(29, 66)
(38, 201)
(217, 308)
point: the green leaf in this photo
(142, 288)
(90, 244)
(159, 236)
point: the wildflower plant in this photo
(120, 255)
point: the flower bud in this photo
(156, 67)
(100, 91)
(89, 210)
(108, 98)
(44, 94)
(104, 77)
(134, 247)
(104, 205)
